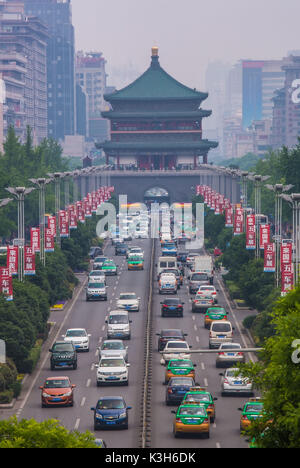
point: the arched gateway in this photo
(156, 123)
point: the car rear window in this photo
(178, 344)
(199, 277)
(172, 333)
(221, 327)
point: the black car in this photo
(172, 307)
(95, 252)
(182, 256)
(169, 335)
(121, 249)
(177, 388)
(111, 412)
(63, 355)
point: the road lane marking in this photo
(218, 445)
(205, 382)
(202, 366)
(197, 339)
(83, 401)
(195, 327)
(88, 383)
(77, 424)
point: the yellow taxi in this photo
(191, 419)
(251, 411)
(180, 368)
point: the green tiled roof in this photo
(157, 115)
(156, 84)
(153, 145)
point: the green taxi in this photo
(251, 411)
(109, 268)
(135, 262)
(191, 419)
(214, 314)
(180, 368)
(199, 395)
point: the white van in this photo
(165, 263)
(167, 284)
(118, 325)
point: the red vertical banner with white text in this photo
(270, 258)
(35, 239)
(238, 222)
(264, 235)
(49, 240)
(29, 262)
(6, 286)
(12, 260)
(250, 232)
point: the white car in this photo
(175, 350)
(167, 283)
(112, 369)
(113, 348)
(79, 337)
(208, 290)
(97, 276)
(128, 301)
(233, 383)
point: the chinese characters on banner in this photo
(287, 272)
(6, 286)
(12, 260)
(264, 235)
(270, 258)
(238, 222)
(29, 262)
(35, 239)
(250, 233)
(49, 240)
(229, 217)
(52, 225)
(63, 224)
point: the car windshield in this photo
(76, 333)
(199, 277)
(115, 319)
(127, 296)
(185, 382)
(111, 404)
(233, 373)
(178, 344)
(112, 363)
(181, 364)
(192, 411)
(96, 285)
(216, 311)
(59, 383)
(61, 347)
(197, 397)
(207, 288)
(108, 263)
(112, 345)
(96, 273)
(254, 408)
(100, 259)
(221, 327)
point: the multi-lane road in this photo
(91, 316)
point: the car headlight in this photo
(123, 415)
(45, 395)
(68, 394)
(99, 416)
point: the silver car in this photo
(227, 359)
(233, 383)
(113, 348)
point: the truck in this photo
(204, 264)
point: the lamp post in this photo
(66, 176)
(294, 201)
(5, 202)
(19, 194)
(278, 189)
(41, 184)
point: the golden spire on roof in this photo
(154, 51)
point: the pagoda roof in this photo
(156, 84)
(156, 145)
(157, 115)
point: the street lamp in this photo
(41, 184)
(294, 201)
(19, 194)
(278, 189)
(5, 202)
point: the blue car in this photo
(111, 412)
(177, 388)
(169, 250)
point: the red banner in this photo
(270, 258)
(250, 233)
(238, 222)
(35, 239)
(264, 235)
(12, 260)
(286, 255)
(63, 224)
(29, 262)
(6, 286)
(52, 225)
(49, 241)
(229, 217)
(287, 282)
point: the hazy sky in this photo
(189, 33)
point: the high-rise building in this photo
(23, 64)
(57, 15)
(91, 76)
(261, 78)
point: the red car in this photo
(57, 391)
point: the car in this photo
(95, 252)
(200, 395)
(128, 301)
(136, 251)
(191, 259)
(208, 290)
(109, 268)
(172, 307)
(96, 275)
(179, 368)
(113, 348)
(182, 256)
(176, 272)
(197, 279)
(167, 283)
(228, 359)
(175, 350)
(111, 412)
(177, 388)
(98, 262)
(215, 314)
(79, 337)
(191, 419)
(121, 248)
(201, 303)
(63, 355)
(57, 391)
(112, 369)
(169, 249)
(169, 334)
(96, 290)
(135, 262)
(118, 325)
(220, 332)
(232, 383)
(251, 411)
